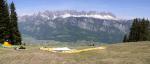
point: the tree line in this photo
(8, 23)
(139, 31)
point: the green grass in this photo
(121, 53)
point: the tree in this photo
(139, 30)
(15, 32)
(125, 39)
(4, 20)
(8, 23)
(1, 20)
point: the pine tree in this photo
(125, 39)
(145, 30)
(14, 25)
(8, 24)
(139, 30)
(4, 20)
(133, 32)
(2, 5)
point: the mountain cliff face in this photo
(72, 26)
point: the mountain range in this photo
(73, 26)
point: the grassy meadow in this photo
(121, 53)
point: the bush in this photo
(22, 47)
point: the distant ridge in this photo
(70, 25)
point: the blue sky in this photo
(121, 8)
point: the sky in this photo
(126, 9)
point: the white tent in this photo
(61, 49)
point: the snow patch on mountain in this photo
(91, 16)
(51, 15)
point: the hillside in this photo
(72, 26)
(121, 53)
